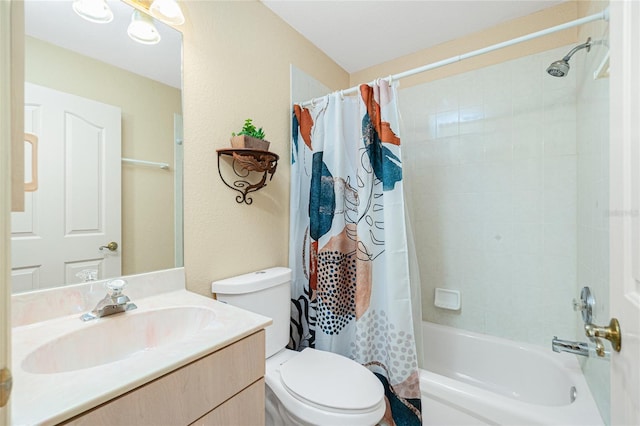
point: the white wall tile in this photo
(469, 90)
(471, 148)
(527, 238)
(560, 139)
(447, 123)
(499, 203)
(560, 206)
(498, 177)
(498, 146)
(560, 239)
(560, 172)
(496, 82)
(527, 174)
(527, 143)
(527, 205)
(498, 237)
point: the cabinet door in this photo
(185, 395)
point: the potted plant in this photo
(249, 137)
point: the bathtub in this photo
(475, 379)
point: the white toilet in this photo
(311, 387)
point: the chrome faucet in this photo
(114, 302)
(594, 332)
(578, 348)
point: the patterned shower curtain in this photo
(349, 257)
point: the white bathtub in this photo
(475, 379)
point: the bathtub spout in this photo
(578, 348)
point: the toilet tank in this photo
(267, 293)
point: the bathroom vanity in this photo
(226, 387)
(179, 358)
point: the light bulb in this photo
(93, 10)
(142, 30)
(167, 11)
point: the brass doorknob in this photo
(6, 382)
(611, 333)
(112, 246)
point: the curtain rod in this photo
(604, 15)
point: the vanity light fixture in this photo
(142, 30)
(167, 11)
(93, 10)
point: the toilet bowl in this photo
(310, 387)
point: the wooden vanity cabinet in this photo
(225, 387)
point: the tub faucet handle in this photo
(578, 305)
(611, 332)
(585, 305)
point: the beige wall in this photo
(147, 134)
(236, 65)
(515, 28)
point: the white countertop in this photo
(52, 398)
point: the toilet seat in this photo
(298, 402)
(331, 382)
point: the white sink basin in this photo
(117, 337)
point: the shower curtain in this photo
(348, 246)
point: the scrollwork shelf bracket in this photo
(247, 164)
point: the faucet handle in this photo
(578, 305)
(585, 305)
(115, 287)
(611, 332)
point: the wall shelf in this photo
(251, 168)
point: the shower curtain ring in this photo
(342, 95)
(390, 79)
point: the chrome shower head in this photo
(560, 68)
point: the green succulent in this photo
(250, 130)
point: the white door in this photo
(76, 207)
(625, 208)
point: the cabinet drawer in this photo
(186, 394)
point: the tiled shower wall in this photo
(490, 168)
(593, 195)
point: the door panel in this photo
(76, 208)
(84, 144)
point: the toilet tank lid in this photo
(253, 281)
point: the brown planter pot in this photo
(244, 141)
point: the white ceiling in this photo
(361, 33)
(56, 22)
